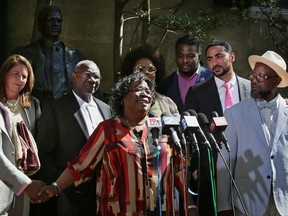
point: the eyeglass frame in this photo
(136, 69)
(88, 75)
(141, 89)
(260, 77)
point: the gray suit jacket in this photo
(11, 179)
(255, 165)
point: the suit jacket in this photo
(62, 134)
(33, 114)
(11, 179)
(255, 165)
(204, 98)
(34, 54)
(170, 87)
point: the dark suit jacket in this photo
(62, 134)
(170, 87)
(204, 98)
(33, 114)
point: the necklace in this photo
(13, 106)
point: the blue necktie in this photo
(265, 104)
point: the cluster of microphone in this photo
(189, 129)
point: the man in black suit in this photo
(189, 71)
(67, 128)
(207, 97)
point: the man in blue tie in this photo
(257, 134)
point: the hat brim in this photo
(253, 59)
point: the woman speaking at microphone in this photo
(125, 163)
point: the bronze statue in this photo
(52, 61)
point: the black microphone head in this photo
(192, 112)
(152, 114)
(214, 114)
(202, 119)
(186, 113)
(166, 114)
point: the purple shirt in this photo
(185, 84)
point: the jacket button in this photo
(272, 157)
(268, 176)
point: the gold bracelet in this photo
(58, 188)
(192, 207)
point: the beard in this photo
(223, 72)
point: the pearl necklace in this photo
(12, 106)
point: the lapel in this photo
(78, 114)
(281, 120)
(254, 115)
(5, 124)
(244, 92)
(213, 95)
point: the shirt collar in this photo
(190, 78)
(82, 103)
(220, 83)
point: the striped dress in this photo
(127, 183)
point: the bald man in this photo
(71, 121)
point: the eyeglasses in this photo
(143, 68)
(88, 75)
(260, 77)
(140, 89)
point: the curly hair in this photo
(144, 51)
(122, 87)
(25, 93)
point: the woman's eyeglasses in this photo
(140, 89)
(143, 69)
(259, 77)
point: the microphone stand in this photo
(232, 180)
(157, 154)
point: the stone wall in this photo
(88, 26)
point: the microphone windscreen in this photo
(186, 113)
(202, 119)
(192, 112)
(166, 114)
(152, 114)
(214, 114)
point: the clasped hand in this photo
(39, 192)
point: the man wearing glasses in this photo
(257, 134)
(67, 128)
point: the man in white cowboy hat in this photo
(257, 133)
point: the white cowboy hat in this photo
(274, 61)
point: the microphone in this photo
(200, 134)
(204, 123)
(189, 125)
(170, 124)
(217, 126)
(154, 126)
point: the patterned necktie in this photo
(228, 95)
